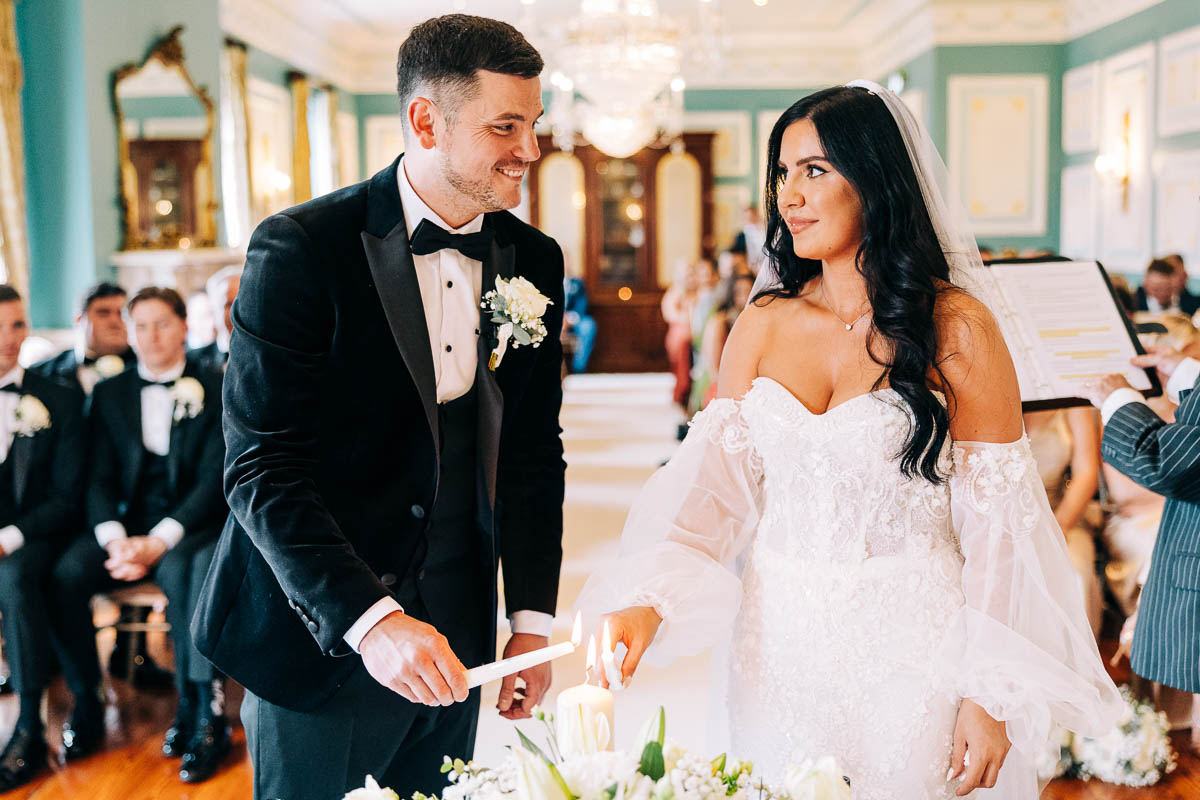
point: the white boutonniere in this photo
(517, 308)
(188, 394)
(30, 416)
(108, 366)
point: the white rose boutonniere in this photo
(107, 366)
(517, 308)
(30, 416)
(188, 394)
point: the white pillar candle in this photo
(584, 719)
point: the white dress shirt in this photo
(11, 538)
(450, 286)
(158, 415)
(1182, 379)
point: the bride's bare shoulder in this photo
(976, 369)
(747, 342)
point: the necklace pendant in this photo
(849, 326)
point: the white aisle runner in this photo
(617, 429)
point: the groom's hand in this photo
(517, 702)
(414, 661)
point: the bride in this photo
(857, 526)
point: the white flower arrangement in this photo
(1136, 752)
(30, 416)
(372, 791)
(108, 366)
(664, 771)
(188, 394)
(517, 308)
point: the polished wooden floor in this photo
(132, 768)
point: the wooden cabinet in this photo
(620, 252)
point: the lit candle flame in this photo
(577, 630)
(591, 655)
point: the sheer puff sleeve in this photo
(1029, 657)
(683, 536)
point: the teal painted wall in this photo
(70, 128)
(58, 172)
(371, 105)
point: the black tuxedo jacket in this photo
(1188, 303)
(210, 355)
(194, 460)
(331, 423)
(48, 468)
(64, 367)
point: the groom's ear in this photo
(422, 118)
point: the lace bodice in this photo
(824, 497)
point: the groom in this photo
(378, 471)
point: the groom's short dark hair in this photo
(444, 53)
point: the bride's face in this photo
(820, 207)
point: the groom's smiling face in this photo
(486, 143)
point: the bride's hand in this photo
(635, 626)
(987, 741)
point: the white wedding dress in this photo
(852, 607)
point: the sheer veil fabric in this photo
(851, 607)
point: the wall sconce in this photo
(1117, 165)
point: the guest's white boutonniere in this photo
(108, 366)
(30, 416)
(517, 308)
(188, 394)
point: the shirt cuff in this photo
(538, 623)
(169, 530)
(1183, 378)
(383, 606)
(1119, 398)
(11, 539)
(107, 532)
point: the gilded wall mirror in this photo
(164, 133)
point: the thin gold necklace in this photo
(849, 325)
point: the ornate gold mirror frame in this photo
(168, 51)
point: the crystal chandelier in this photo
(618, 79)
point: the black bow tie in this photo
(165, 384)
(430, 238)
(10, 387)
(90, 361)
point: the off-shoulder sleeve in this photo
(1029, 658)
(683, 536)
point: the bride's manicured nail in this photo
(950, 774)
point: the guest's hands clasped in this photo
(635, 627)
(131, 559)
(413, 660)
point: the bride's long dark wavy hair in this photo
(900, 257)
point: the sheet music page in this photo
(1070, 326)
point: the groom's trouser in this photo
(362, 730)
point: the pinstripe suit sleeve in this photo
(1164, 457)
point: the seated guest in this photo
(101, 342)
(1188, 303)
(222, 289)
(101, 351)
(1066, 448)
(735, 297)
(1161, 290)
(202, 322)
(581, 325)
(154, 509)
(42, 459)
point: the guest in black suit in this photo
(222, 289)
(378, 470)
(42, 452)
(1165, 289)
(101, 351)
(102, 342)
(154, 508)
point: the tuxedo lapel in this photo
(21, 455)
(132, 420)
(491, 401)
(395, 276)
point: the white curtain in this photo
(14, 246)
